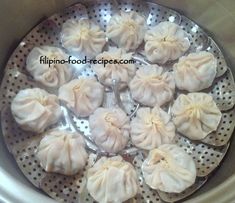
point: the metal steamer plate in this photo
(207, 153)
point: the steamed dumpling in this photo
(151, 86)
(35, 109)
(195, 71)
(127, 30)
(195, 115)
(83, 96)
(165, 42)
(112, 180)
(83, 37)
(54, 75)
(151, 128)
(62, 152)
(110, 129)
(120, 72)
(169, 169)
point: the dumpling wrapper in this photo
(83, 37)
(195, 115)
(122, 73)
(127, 30)
(35, 109)
(151, 86)
(151, 128)
(196, 71)
(164, 42)
(62, 152)
(169, 168)
(83, 96)
(112, 180)
(110, 129)
(54, 75)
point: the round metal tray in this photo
(207, 153)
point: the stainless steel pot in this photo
(18, 17)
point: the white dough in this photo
(35, 109)
(151, 128)
(165, 42)
(196, 71)
(122, 73)
(83, 96)
(110, 129)
(169, 169)
(127, 29)
(112, 180)
(54, 75)
(62, 152)
(195, 115)
(83, 37)
(151, 86)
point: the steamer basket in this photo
(207, 154)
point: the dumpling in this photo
(165, 42)
(110, 129)
(83, 37)
(82, 95)
(195, 71)
(119, 71)
(195, 115)
(112, 180)
(151, 128)
(35, 109)
(62, 152)
(127, 30)
(151, 86)
(169, 168)
(53, 75)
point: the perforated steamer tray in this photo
(207, 153)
